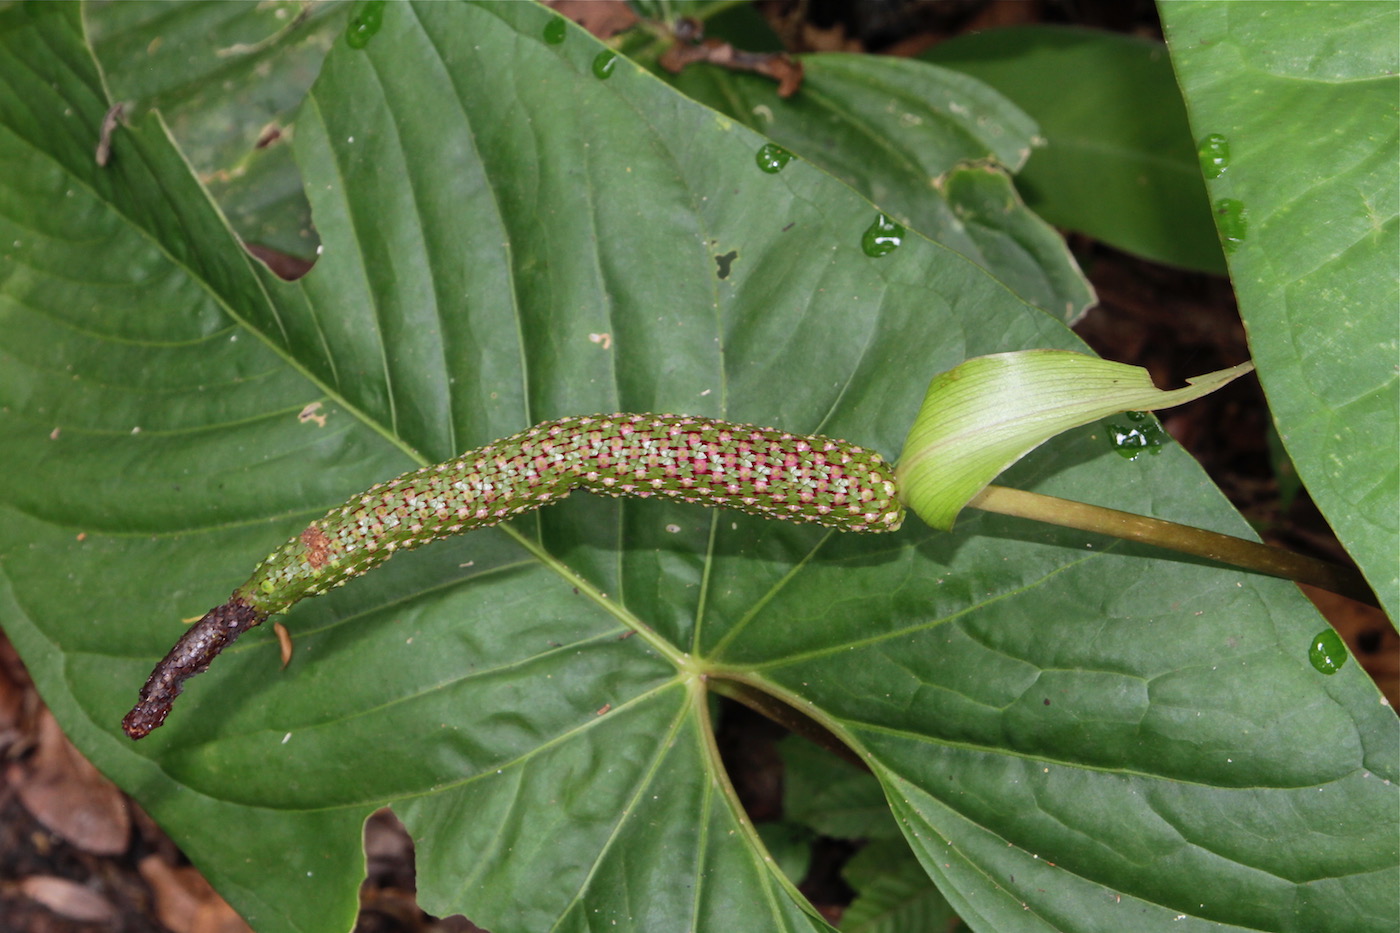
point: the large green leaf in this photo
(1294, 107)
(1072, 734)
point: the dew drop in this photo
(1140, 434)
(604, 63)
(365, 23)
(772, 158)
(555, 31)
(1214, 152)
(1327, 653)
(883, 237)
(1230, 218)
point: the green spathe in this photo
(983, 415)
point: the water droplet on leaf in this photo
(1230, 218)
(365, 23)
(555, 31)
(604, 63)
(883, 237)
(772, 158)
(1327, 652)
(1141, 433)
(1214, 152)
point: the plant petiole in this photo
(1225, 549)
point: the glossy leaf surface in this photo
(1293, 106)
(509, 238)
(928, 145)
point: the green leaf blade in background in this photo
(531, 698)
(895, 894)
(1117, 160)
(227, 77)
(1311, 205)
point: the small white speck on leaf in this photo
(309, 414)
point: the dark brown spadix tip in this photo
(191, 655)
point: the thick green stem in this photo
(1226, 549)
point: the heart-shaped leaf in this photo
(1071, 737)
